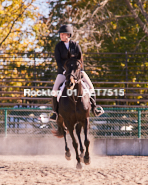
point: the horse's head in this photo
(73, 71)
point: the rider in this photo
(61, 55)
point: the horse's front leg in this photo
(75, 145)
(86, 141)
(67, 153)
(78, 131)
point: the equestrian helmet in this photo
(66, 29)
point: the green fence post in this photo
(139, 123)
(5, 122)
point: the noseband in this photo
(75, 78)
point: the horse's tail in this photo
(59, 132)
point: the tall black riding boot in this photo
(55, 108)
(95, 111)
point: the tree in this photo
(17, 18)
(104, 26)
(138, 10)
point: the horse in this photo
(74, 111)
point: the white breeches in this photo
(59, 79)
(87, 80)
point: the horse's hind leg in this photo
(67, 153)
(86, 142)
(75, 145)
(78, 131)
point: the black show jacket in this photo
(61, 53)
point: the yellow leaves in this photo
(122, 64)
(123, 38)
(134, 79)
(19, 84)
(23, 72)
(94, 72)
(15, 16)
(18, 29)
(138, 85)
(1, 10)
(139, 97)
(15, 71)
(19, 63)
(145, 5)
(31, 34)
(114, 26)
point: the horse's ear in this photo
(69, 54)
(79, 56)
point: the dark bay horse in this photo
(73, 111)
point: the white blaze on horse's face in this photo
(72, 82)
(73, 74)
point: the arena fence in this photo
(114, 123)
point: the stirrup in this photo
(54, 117)
(98, 112)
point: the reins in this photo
(77, 80)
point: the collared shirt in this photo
(61, 53)
(66, 44)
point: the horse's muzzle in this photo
(69, 85)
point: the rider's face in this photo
(64, 37)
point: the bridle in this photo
(76, 78)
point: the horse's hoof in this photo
(82, 154)
(68, 155)
(87, 160)
(79, 166)
(82, 157)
